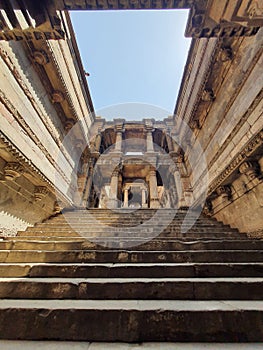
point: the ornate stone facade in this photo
(131, 165)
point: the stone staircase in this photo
(82, 276)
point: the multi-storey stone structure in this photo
(134, 164)
(44, 94)
(56, 153)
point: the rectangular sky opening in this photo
(135, 60)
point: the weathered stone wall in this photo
(39, 103)
(221, 101)
(245, 212)
(241, 203)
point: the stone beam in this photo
(123, 4)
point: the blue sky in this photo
(135, 60)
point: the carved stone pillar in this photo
(175, 188)
(80, 190)
(170, 143)
(118, 144)
(188, 196)
(81, 181)
(98, 142)
(180, 162)
(87, 192)
(149, 139)
(154, 200)
(113, 202)
(126, 199)
(144, 201)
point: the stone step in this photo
(129, 231)
(131, 270)
(246, 288)
(240, 237)
(132, 320)
(133, 213)
(68, 345)
(127, 220)
(134, 221)
(123, 236)
(75, 256)
(133, 230)
(139, 225)
(155, 244)
(111, 217)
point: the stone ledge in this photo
(64, 345)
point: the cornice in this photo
(65, 89)
(187, 72)
(245, 152)
(28, 165)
